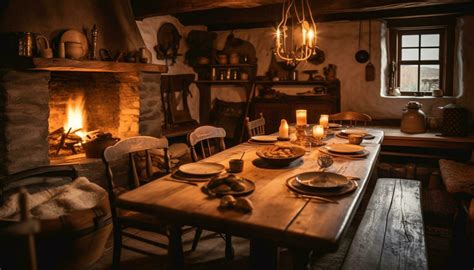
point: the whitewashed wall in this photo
(149, 30)
(339, 41)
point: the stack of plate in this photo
(263, 139)
(344, 150)
(198, 171)
(321, 184)
(355, 131)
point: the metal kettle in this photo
(413, 118)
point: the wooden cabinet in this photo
(275, 109)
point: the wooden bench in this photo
(390, 235)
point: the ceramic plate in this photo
(322, 180)
(202, 168)
(295, 187)
(264, 138)
(248, 184)
(334, 125)
(344, 148)
(359, 155)
(355, 131)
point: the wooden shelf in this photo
(223, 81)
(60, 64)
(295, 82)
(226, 66)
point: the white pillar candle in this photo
(324, 120)
(318, 132)
(283, 130)
(301, 117)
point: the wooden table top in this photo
(277, 215)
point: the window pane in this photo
(430, 40)
(429, 77)
(429, 54)
(408, 78)
(409, 54)
(410, 40)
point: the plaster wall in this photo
(339, 41)
(149, 29)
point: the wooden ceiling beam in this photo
(264, 16)
(148, 8)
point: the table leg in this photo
(263, 254)
(300, 258)
(175, 248)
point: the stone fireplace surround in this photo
(29, 98)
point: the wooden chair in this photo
(204, 136)
(201, 136)
(255, 127)
(350, 118)
(122, 219)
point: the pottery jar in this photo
(413, 118)
(73, 50)
(234, 58)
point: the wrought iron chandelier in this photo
(296, 32)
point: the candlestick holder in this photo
(301, 135)
(317, 141)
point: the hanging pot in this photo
(361, 56)
(370, 69)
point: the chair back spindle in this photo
(255, 127)
(203, 136)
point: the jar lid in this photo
(414, 105)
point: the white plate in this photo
(344, 148)
(355, 131)
(202, 168)
(265, 138)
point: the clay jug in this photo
(413, 118)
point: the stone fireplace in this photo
(34, 104)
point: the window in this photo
(422, 51)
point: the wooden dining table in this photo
(279, 218)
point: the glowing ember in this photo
(75, 116)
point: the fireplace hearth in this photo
(34, 105)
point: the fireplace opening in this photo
(85, 107)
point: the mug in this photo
(73, 50)
(236, 165)
(46, 53)
(355, 138)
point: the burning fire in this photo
(75, 116)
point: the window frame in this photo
(442, 25)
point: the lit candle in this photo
(283, 130)
(324, 120)
(318, 132)
(301, 117)
(310, 37)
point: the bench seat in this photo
(391, 234)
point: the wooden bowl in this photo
(281, 161)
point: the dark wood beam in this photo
(266, 16)
(147, 8)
